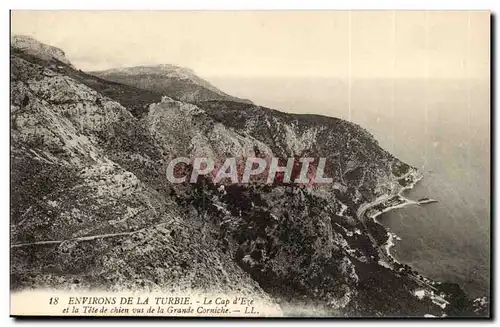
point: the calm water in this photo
(440, 126)
(448, 240)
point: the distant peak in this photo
(34, 47)
(180, 82)
(167, 69)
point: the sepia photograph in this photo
(244, 164)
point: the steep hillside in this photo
(136, 100)
(176, 82)
(91, 206)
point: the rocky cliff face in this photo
(83, 166)
(92, 208)
(177, 82)
(30, 45)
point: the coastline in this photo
(391, 237)
(441, 293)
(367, 214)
(428, 288)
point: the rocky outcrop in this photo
(39, 49)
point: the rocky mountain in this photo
(39, 49)
(91, 206)
(178, 82)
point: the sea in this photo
(440, 126)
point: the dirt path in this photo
(87, 238)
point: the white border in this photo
(254, 4)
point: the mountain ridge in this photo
(175, 81)
(88, 161)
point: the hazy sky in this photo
(364, 44)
